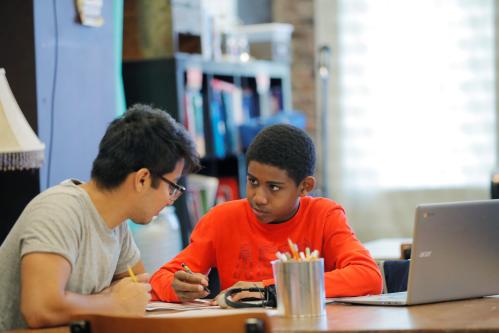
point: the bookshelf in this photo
(212, 99)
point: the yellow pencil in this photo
(132, 274)
(188, 270)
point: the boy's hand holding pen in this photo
(189, 285)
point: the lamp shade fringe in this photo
(21, 160)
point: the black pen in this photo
(188, 270)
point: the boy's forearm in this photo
(354, 280)
(161, 284)
(58, 311)
(161, 281)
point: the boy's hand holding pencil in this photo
(130, 295)
(189, 285)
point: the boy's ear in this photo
(307, 185)
(142, 176)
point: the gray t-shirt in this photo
(63, 220)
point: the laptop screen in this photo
(455, 251)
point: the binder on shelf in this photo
(250, 104)
(194, 119)
(218, 124)
(193, 113)
(262, 87)
(228, 189)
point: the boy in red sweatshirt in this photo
(240, 237)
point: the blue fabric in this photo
(396, 275)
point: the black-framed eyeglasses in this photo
(176, 190)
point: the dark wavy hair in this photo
(143, 137)
(286, 147)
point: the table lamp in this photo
(20, 148)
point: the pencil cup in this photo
(300, 288)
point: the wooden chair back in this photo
(243, 322)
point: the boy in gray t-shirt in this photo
(70, 249)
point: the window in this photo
(416, 84)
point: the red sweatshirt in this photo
(230, 238)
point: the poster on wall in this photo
(90, 12)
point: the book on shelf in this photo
(226, 115)
(202, 191)
(276, 102)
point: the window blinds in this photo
(416, 93)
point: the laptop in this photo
(455, 255)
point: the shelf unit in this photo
(165, 82)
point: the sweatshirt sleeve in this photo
(350, 269)
(198, 255)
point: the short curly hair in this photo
(285, 147)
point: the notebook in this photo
(455, 255)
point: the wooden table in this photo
(459, 316)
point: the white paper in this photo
(209, 312)
(193, 305)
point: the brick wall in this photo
(300, 13)
(147, 29)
